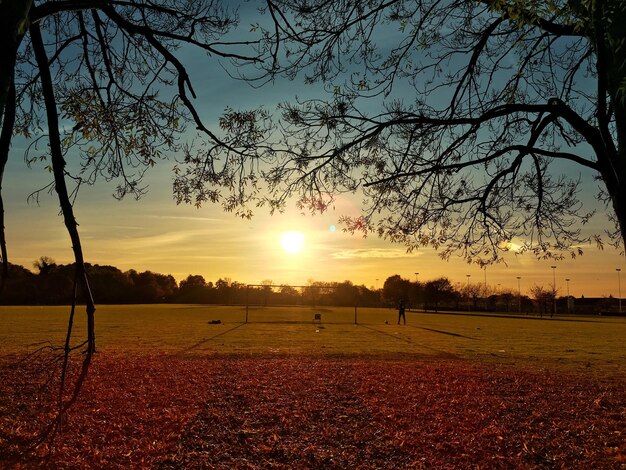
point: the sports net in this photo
(266, 303)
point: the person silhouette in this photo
(401, 314)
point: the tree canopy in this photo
(467, 126)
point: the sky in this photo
(156, 234)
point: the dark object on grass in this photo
(215, 322)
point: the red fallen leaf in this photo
(447, 414)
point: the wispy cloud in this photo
(385, 253)
(181, 217)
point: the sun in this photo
(292, 242)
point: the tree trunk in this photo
(5, 144)
(618, 197)
(13, 25)
(613, 37)
(58, 170)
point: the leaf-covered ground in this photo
(163, 411)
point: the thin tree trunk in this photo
(5, 144)
(58, 170)
(13, 25)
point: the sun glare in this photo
(292, 242)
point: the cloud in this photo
(192, 218)
(381, 253)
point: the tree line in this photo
(51, 284)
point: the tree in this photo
(473, 292)
(152, 287)
(455, 119)
(193, 289)
(344, 294)
(19, 286)
(437, 291)
(395, 289)
(544, 298)
(288, 295)
(87, 80)
(44, 265)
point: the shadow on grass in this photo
(410, 341)
(517, 316)
(444, 332)
(206, 340)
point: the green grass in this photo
(593, 343)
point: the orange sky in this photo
(156, 234)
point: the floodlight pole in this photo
(619, 288)
(247, 301)
(554, 287)
(485, 287)
(567, 281)
(519, 295)
(485, 268)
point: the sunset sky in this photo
(156, 234)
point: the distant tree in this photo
(44, 265)
(19, 286)
(395, 289)
(345, 294)
(193, 289)
(54, 282)
(192, 281)
(504, 300)
(109, 284)
(438, 291)
(368, 297)
(267, 290)
(312, 293)
(465, 124)
(289, 295)
(416, 294)
(543, 297)
(223, 288)
(472, 292)
(150, 287)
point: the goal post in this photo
(274, 303)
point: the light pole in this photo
(567, 281)
(485, 280)
(619, 288)
(468, 292)
(416, 274)
(485, 295)
(554, 288)
(519, 295)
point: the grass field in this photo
(571, 342)
(169, 389)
